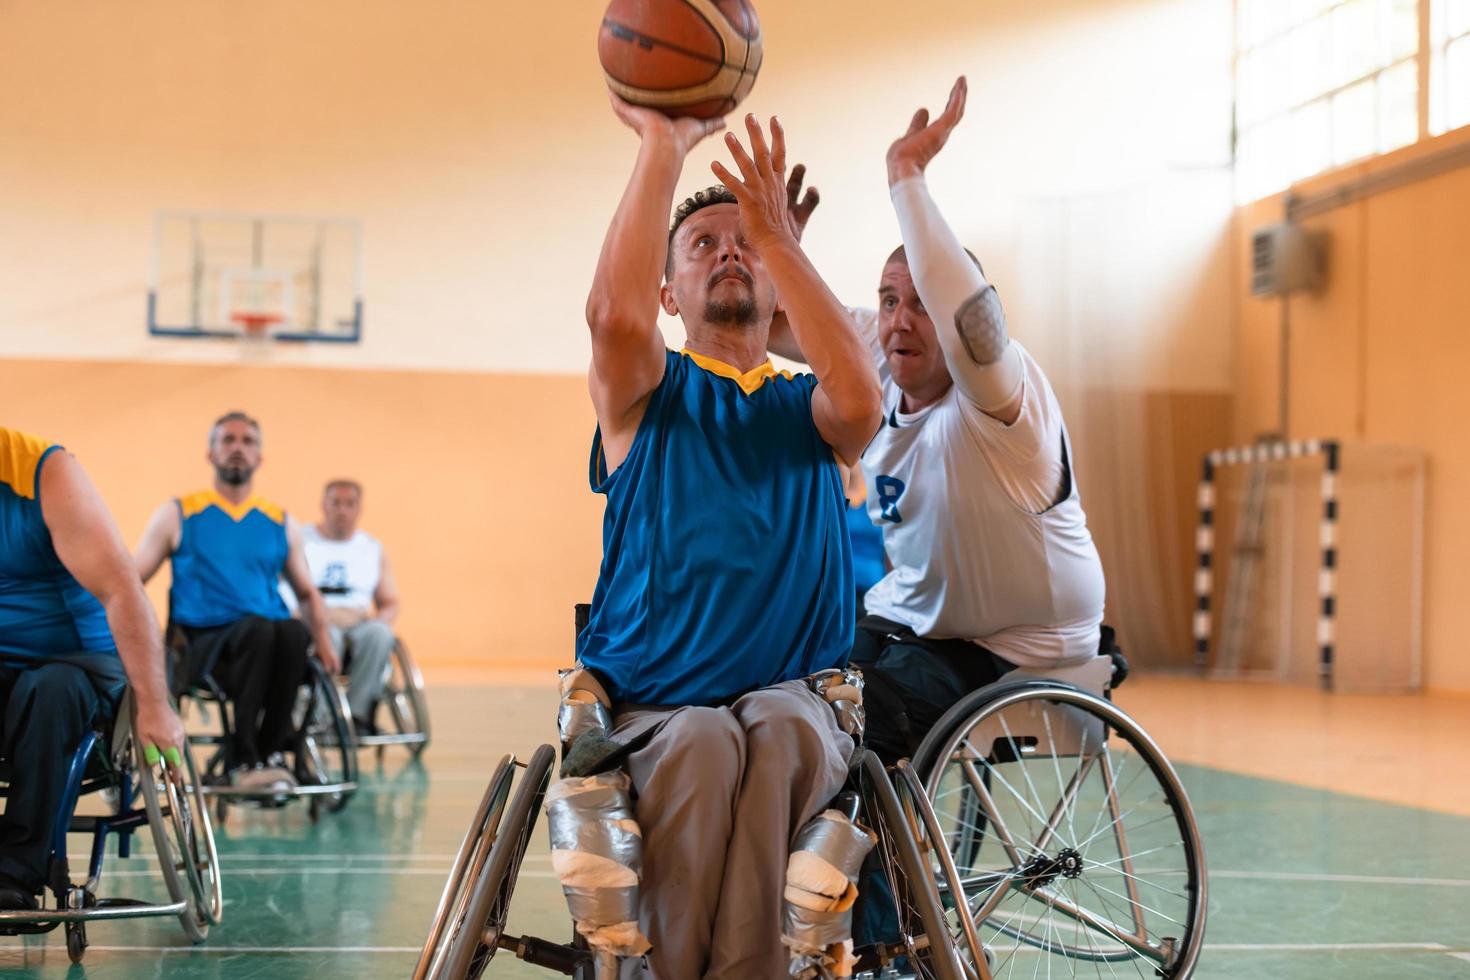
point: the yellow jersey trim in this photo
(197, 503)
(749, 381)
(20, 456)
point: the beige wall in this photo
(473, 141)
(1381, 355)
(477, 484)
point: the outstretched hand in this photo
(763, 194)
(800, 208)
(683, 133)
(911, 152)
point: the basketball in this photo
(683, 57)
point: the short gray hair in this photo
(235, 416)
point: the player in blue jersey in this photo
(230, 549)
(726, 576)
(75, 626)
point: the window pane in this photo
(1457, 84)
(1400, 34)
(1398, 106)
(1354, 40)
(1311, 60)
(1456, 17)
(1354, 122)
(1312, 134)
(1275, 79)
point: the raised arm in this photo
(782, 342)
(313, 610)
(622, 308)
(90, 546)
(967, 314)
(846, 405)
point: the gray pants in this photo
(371, 643)
(721, 793)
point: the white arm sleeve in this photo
(966, 311)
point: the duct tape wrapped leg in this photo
(597, 853)
(821, 887)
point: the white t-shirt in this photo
(345, 572)
(982, 522)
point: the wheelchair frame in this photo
(182, 836)
(483, 877)
(330, 790)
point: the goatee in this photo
(740, 313)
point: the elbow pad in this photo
(981, 323)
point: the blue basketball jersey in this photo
(44, 611)
(726, 564)
(229, 561)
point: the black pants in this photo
(44, 712)
(911, 681)
(259, 664)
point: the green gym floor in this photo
(1304, 882)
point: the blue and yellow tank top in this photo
(229, 561)
(44, 611)
(726, 565)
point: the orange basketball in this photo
(683, 57)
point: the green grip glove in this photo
(172, 756)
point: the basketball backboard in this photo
(286, 277)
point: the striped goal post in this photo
(1204, 579)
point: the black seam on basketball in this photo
(651, 40)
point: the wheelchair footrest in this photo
(106, 908)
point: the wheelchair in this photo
(404, 704)
(1071, 836)
(113, 765)
(322, 755)
(1037, 830)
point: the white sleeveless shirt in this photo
(982, 523)
(346, 572)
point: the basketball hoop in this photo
(255, 323)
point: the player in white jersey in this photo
(970, 477)
(356, 582)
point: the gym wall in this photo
(1380, 355)
(473, 141)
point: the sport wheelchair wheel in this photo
(1073, 839)
(472, 913)
(931, 946)
(403, 696)
(326, 747)
(184, 841)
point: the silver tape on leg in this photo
(821, 887)
(597, 853)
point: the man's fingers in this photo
(954, 109)
(809, 203)
(727, 178)
(793, 184)
(742, 159)
(917, 124)
(758, 148)
(778, 146)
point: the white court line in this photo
(1460, 956)
(1347, 879)
(1321, 947)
